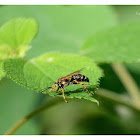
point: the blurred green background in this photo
(78, 116)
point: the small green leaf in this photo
(63, 27)
(17, 32)
(43, 71)
(117, 44)
(21, 50)
(6, 52)
(14, 38)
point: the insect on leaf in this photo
(42, 72)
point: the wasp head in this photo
(55, 87)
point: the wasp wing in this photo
(70, 75)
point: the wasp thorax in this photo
(55, 87)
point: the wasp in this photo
(73, 78)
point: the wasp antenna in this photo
(81, 69)
(44, 89)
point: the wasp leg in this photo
(86, 84)
(64, 95)
(49, 90)
(81, 84)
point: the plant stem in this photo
(117, 98)
(128, 82)
(32, 114)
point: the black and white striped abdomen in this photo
(80, 78)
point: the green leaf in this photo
(43, 71)
(1, 71)
(21, 50)
(14, 38)
(63, 27)
(6, 52)
(17, 32)
(117, 44)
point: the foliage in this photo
(118, 44)
(66, 32)
(62, 28)
(18, 32)
(15, 36)
(43, 71)
(1, 71)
